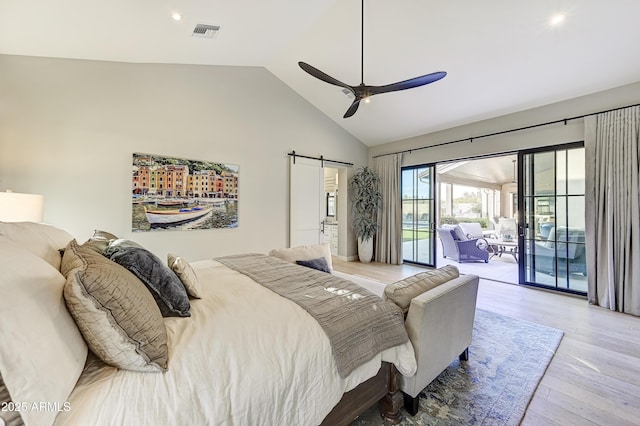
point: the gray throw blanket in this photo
(358, 323)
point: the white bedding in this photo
(246, 356)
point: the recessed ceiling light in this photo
(176, 16)
(557, 19)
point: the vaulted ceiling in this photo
(501, 56)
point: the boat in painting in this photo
(173, 203)
(171, 217)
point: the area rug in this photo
(507, 359)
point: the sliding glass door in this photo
(418, 214)
(552, 218)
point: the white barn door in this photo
(307, 199)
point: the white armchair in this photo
(473, 230)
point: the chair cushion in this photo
(402, 292)
(471, 230)
(456, 231)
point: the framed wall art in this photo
(169, 193)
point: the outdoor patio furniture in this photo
(564, 247)
(474, 230)
(461, 250)
(498, 247)
(507, 228)
(545, 229)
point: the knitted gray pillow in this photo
(165, 287)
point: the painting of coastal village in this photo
(179, 194)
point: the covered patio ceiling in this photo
(488, 172)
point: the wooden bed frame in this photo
(382, 388)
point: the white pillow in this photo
(45, 241)
(42, 352)
(304, 253)
(187, 275)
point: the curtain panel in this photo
(389, 237)
(613, 209)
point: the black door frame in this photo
(432, 211)
(522, 225)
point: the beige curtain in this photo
(613, 209)
(389, 236)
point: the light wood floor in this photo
(594, 377)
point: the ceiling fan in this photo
(363, 91)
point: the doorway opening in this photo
(481, 196)
(330, 229)
(516, 218)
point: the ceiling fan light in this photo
(557, 19)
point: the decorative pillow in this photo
(320, 264)
(42, 352)
(186, 274)
(457, 232)
(119, 244)
(99, 241)
(165, 287)
(115, 312)
(401, 292)
(304, 253)
(45, 241)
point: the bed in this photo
(243, 355)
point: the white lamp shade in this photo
(16, 207)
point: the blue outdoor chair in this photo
(468, 250)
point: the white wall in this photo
(68, 129)
(538, 137)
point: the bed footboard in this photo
(382, 388)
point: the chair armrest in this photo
(440, 326)
(468, 242)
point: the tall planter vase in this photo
(365, 250)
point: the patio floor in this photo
(500, 268)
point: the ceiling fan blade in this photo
(352, 109)
(315, 72)
(408, 84)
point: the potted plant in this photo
(365, 197)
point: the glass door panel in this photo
(552, 234)
(418, 214)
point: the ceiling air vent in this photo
(206, 31)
